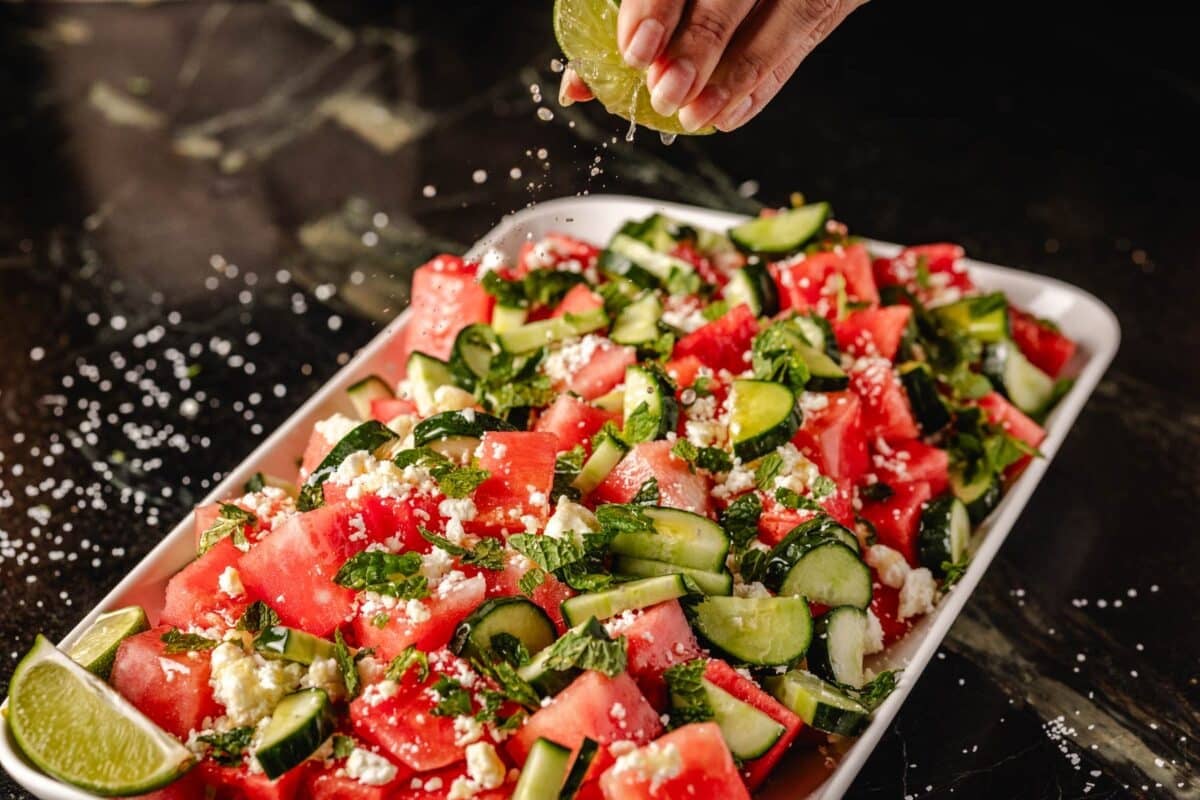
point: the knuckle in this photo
(747, 71)
(818, 10)
(708, 29)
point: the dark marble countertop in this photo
(205, 208)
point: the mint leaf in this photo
(767, 471)
(789, 498)
(455, 701)
(715, 310)
(986, 304)
(689, 700)
(531, 580)
(426, 456)
(713, 459)
(873, 693)
(231, 521)
(396, 575)
(258, 617)
(924, 279)
(647, 493)
(458, 482)
(617, 518)
(346, 664)
(579, 648)
(177, 641)
(547, 287)
(512, 686)
(227, 748)
(953, 572)
(774, 356)
(642, 424)
(410, 658)
(567, 467)
(488, 554)
(510, 648)
(343, 746)
(255, 484)
(547, 552)
(877, 492)
(823, 487)
(740, 519)
(507, 293)
(754, 564)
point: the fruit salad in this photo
(623, 520)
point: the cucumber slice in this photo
(754, 286)
(818, 334)
(980, 496)
(819, 567)
(719, 583)
(984, 317)
(372, 436)
(748, 732)
(649, 387)
(516, 616)
(289, 644)
(607, 454)
(613, 401)
(299, 725)
(625, 597)
(639, 263)
(588, 749)
(425, 374)
(534, 335)
(819, 704)
(944, 534)
(474, 348)
(362, 393)
(637, 323)
(679, 537)
(1029, 389)
(765, 415)
(824, 374)
(784, 232)
(839, 640)
(544, 771)
(506, 318)
(466, 424)
(548, 681)
(767, 631)
(927, 405)
(826, 525)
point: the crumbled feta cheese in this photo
(376, 693)
(888, 563)
(435, 564)
(363, 474)
(811, 402)
(369, 769)
(467, 730)
(417, 612)
(358, 529)
(323, 673)
(230, 582)
(684, 312)
(874, 638)
(654, 763)
(738, 480)
(797, 472)
(741, 589)
(334, 428)
(485, 770)
(249, 686)
(916, 596)
(562, 364)
(456, 512)
(570, 517)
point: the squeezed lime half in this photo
(77, 729)
(97, 648)
(587, 33)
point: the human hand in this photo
(716, 62)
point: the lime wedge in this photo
(77, 729)
(97, 648)
(587, 33)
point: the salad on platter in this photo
(625, 520)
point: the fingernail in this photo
(644, 44)
(696, 114)
(734, 116)
(672, 87)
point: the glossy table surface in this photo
(204, 208)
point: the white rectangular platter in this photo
(804, 773)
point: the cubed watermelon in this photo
(1016, 424)
(170, 689)
(886, 412)
(885, 605)
(913, 460)
(554, 251)
(329, 781)
(701, 766)
(239, 783)
(292, 569)
(723, 343)
(579, 299)
(389, 631)
(897, 519)
(873, 331)
(521, 464)
(574, 421)
(1042, 343)
(604, 370)
(194, 596)
(446, 297)
(548, 595)
(657, 638)
(725, 677)
(832, 436)
(678, 486)
(386, 409)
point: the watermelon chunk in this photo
(521, 464)
(555, 250)
(813, 282)
(683, 370)
(885, 605)
(898, 518)
(332, 783)
(1015, 423)
(723, 343)
(189, 787)
(549, 594)
(678, 486)
(292, 569)
(1044, 345)
(446, 297)
(172, 690)
(193, 595)
(725, 677)
(706, 769)
(832, 437)
(574, 422)
(314, 453)
(603, 372)
(239, 783)
(386, 409)
(903, 462)
(873, 331)
(943, 267)
(579, 299)
(451, 601)
(594, 706)
(886, 412)
(657, 638)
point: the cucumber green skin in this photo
(701, 545)
(467, 640)
(927, 405)
(577, 609)
(603, 459)
(788, 554)
(992, 327)
(979, 501)
(618, 266)
(707, 624)
(714, 583)
(824, 374)
(820, 660)
(363, 392)
(461, 357)
(775, 436)
(451, 424)
(757, 236)
(287, 752)
(544, 771)
(748, 731)
(813, 700)
(825, 525)
(934, 537)
(550, 682)
(588, 749)
(764, 301)
(289, 644)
